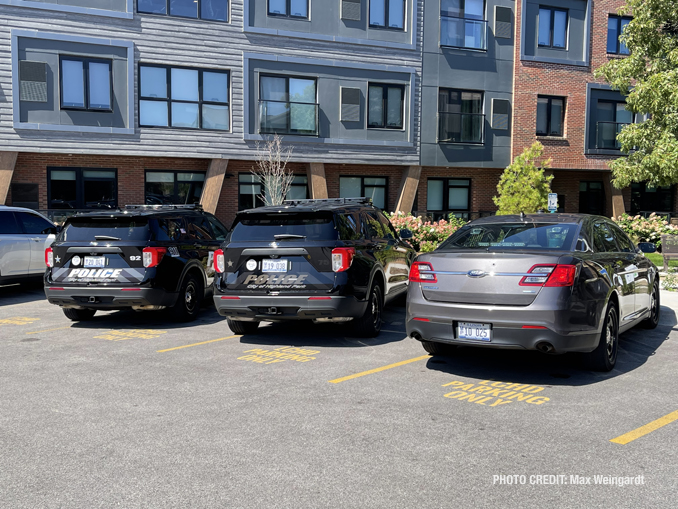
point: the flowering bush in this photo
(645, 229)
(426, 234)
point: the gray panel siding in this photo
(107, 5)
(198, 43)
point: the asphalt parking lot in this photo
(130, 410)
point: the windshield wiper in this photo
(105, 237)
(288, 236)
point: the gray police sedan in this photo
(550, 282)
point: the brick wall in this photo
(393, 175)
(483, 185)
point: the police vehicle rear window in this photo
(512, 236)
(284, 227)
(88, 229)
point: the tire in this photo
(604, 357)
(653, 320)
(437, 348)
(369, 325)
(79, 315)
(188, 302)
(240, 327)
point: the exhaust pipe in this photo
(545, 347)
(416, 335)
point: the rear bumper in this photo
(279, 307)
(108, 298)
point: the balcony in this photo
(606, 135)
(463, 33)
(461, 128)
(280, 117)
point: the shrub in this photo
(426, 234)
(645, 229)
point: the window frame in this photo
(362, 186)
(446, 195)
(257, 200)
(287, 78)
(168, 100)
(288, 7)
(79, 184)
(175, 192)
(385, 26)
(85, 77)
(549, 117)
(448, 91)
(619, 20)
(384, 106)
(552, 27)
(603, 196)
(199, 2)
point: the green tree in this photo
(523, 187)
(649, 79)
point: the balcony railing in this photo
(461, 128)
(280, 117)
(606, 135)
(463, 33)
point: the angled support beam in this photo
(7, 163)
(617, 198)
(317, 183)
(214, 180)
(409, 184)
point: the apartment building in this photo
(417, 105)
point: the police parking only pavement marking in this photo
(282, 354)
(18, 320)
(494, 393)
(122, 335)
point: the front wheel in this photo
(79, 315)
(241, 327)
(604, 357)
(652, 321)
(369, 325)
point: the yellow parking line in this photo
(48, 330)
(644, 430)
(196, 344)
(377, 370)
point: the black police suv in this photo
(324, 260)
(143, 257)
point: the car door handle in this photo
(36, 239)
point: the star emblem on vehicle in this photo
(230, 263)
(58, 259)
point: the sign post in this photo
(553, 202)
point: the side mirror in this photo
(647, 247)
(405, 234)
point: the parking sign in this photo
(553, 202)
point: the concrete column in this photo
(317, 183)
(617, 198)
(214, 180)
(7, 162)
(409, 184)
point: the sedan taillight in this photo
(152, 256)
(550, 276)
(342, 258)
(422, 272)
(49, 257)
(219, 265)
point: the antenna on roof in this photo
(522, 216)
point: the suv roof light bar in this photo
(192, 206)
(363, 200)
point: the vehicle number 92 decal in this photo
(135, 258)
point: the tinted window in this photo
(220, 231)
(8, 223)
(603, 238)
(512, 236)
(169, 229)
(389, 231)
(34, 224)
(348, 227)
(624, 243)
(265, 227)
(86, 228)
(199, 228)
(372, 225)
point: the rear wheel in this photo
(604, 357)
(79, 315)
(369, 325)
(653, 320)
(437, 348)
(240, 327)
(187, 307)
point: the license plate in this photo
(474, 331)
(274, 265)
(95, 261)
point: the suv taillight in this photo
(550, 276)
(219, 265)
(422, 272)
(49, 257)
(342, 258)
(152, 256)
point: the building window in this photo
(213, 10)
(365, 187)
(550, 115)
(251, 191)
(460, 116)
(86, 84)
(173, 187)
(288, 8)
(288, 105)
(552, 27)
(615, 27)
(387, 14)
(591, 198)
(611, 117)
(448, 196)
(82, 188)
(385, 106)
(647, 198)
(462, 24)
(183, 98)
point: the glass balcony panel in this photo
(288, 118)
(606, 135)
(461, 127)
(463, 33)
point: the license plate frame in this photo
(472, 331)
(94, 262)
(279, 266)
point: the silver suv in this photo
(24, 236)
